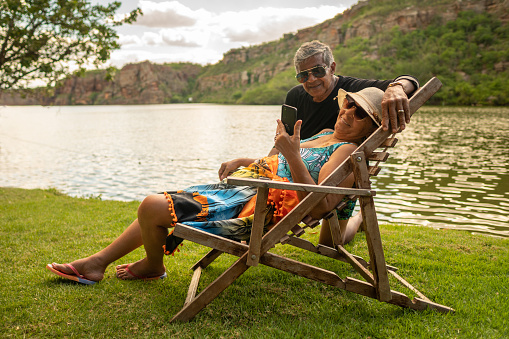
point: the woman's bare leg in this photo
(153, 212)
(94, 266)
(154, 219)
(348, 229)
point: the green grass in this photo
(467, 272)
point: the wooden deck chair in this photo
(375, 272)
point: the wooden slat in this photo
(335, 229)
(193, 286)
(408, 285)
(356, 265)
(325, 251)
(302, 243)
(397, 298)
(334, 254)
(297, 187)
(302, 269)
(313, 223)
(210, 240)
(390, 142)
(298, 231)
(374, 170)
(257, 228)
(379, 156)
(343, 203)
(285, 239)
(207, 259)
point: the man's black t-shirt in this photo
(317, 116)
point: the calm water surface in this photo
(449, 170)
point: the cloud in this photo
(152, 39)
(265, 24)
(173, 31)
(244, 27)
(126, 40)
(175, 38)
(167, 14)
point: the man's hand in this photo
(395, 106)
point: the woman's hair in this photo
(311, 48)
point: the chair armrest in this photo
(299, 187)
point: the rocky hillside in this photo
(246, 70)
(142, 83)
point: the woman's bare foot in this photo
(87, 267)
(140, 270)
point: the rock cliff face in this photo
(147, 83)
(142, 83)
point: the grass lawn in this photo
(467, 272)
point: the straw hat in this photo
(369, 99)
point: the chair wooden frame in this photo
(375, 272)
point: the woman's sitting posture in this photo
(227, 210)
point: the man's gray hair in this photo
(308, 49)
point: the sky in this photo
(201, 31)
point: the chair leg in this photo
(193, 286)
(373, 238)
(207, 259)
(190, 310)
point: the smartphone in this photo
(289, 118)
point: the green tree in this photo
(44, 39)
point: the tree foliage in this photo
(45, 39)
(469, 55)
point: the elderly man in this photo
(314, 98)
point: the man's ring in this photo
(401, 111)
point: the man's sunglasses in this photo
(359, 112)
(317, 71)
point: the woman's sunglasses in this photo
(359, 112)
(317, 71)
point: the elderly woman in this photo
(227, 210)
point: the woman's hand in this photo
(231, 166)
(288, 145)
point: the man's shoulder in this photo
(297, 96)
(296, 90)
(352, 84)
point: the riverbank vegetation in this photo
(469, 55)
(465, 271)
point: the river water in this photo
(450, 168)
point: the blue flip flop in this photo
(74, 277)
